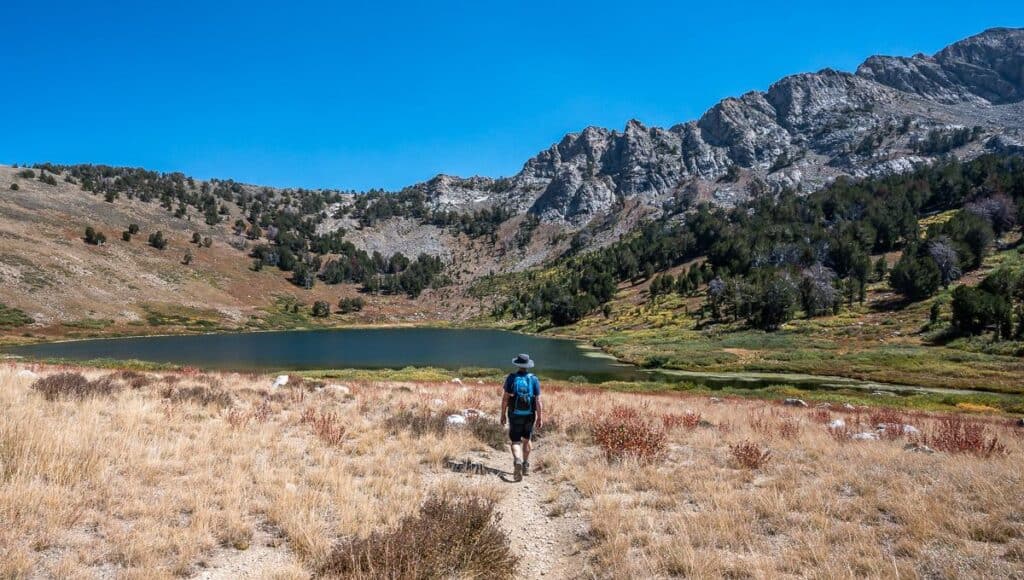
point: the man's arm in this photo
(539, 407)
(540, 413)
(504, 407)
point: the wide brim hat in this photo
(523, 361)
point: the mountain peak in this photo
(801, 133)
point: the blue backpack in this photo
(522, 389)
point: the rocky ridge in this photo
(801, 133)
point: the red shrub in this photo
(788, 427)
(955, 435)
(624, 434)
(688, 420)
(750, 455)
(237, 418)
(326, 426)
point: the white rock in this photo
(27, 374)
(457, 381)
(849, 407)
(866, 436)
(456, 420)
(437, 403)
(837, 424)
(473, 413)
(795, 402)
(479, 382)
(280, 381)
(715, 400)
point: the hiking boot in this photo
(526, 468)
(517, 472)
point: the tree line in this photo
(770, 257)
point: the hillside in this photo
(69, 287)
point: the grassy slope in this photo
(72, 289)
(881, 340)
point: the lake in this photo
(343, 348)
(393, 348)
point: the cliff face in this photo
(805, 130)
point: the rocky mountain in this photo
(804, 131)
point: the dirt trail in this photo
(544, 539)
(535, 512)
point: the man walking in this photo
(521, 407)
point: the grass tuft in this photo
(452, 536)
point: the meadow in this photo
(181, 473)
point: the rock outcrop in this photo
(802, 132)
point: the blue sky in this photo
(375, 94)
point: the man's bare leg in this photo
(517, 458)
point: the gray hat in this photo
(523, 361)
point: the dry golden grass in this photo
(146, 483)
(149, 481)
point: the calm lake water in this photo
(419, 347)
(336, 349)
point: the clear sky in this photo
(384, 94)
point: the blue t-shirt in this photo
(510, 388)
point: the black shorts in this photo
(520, 427)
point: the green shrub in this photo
(347, 305)
(321, 309)
(13, 317)
(94, 237)
(157, 240)
(974, 310)
(915, 276)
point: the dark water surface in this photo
(448, 348)
(336, 349)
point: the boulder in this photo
(795, 402)
(837, 424)
(866, 436)
(280, 381)
(456, 420)
(457, 381)
(715, 400)
(904, 429)
(437, 403)
(27, 374)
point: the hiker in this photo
(521, 407)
